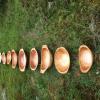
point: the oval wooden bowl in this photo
(85, 58)
(62, 60)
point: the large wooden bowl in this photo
(33, 61)
(46, 59)
(22, 60)
(85, 58)
(62, 60)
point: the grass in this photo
(32, 23)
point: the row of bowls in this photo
(61, 59)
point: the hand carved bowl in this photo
(33, 60)
(85, 58)
(14, 59)
(22, 60)
(62, 60)
(46, 59)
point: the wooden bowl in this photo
(0, 57)
(62, 60)
(14, 59)
(8, 57)
(85, 58)
(3, 58)
(22, 60)
(46, 59)
(33, 61)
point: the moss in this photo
(32, 23)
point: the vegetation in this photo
(32, 23)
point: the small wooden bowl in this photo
(33, 61)
(85, 58)
(8, 57)
(0, 57)
(14, 59)
(3, 58)
(62, 60)
(22, 60)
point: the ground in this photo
(32, 23)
